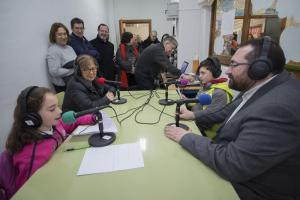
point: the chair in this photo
(7, 176)
(60, 96)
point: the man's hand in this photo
(175, 133)
(186, 114)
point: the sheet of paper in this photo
(108, 126)
(111, 158)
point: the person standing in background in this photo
(79, 43)
(153, 62)
(126, 59)
(152, 39)
(60, 57)
(107, 67)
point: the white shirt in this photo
(247, 95)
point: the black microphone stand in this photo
(101, 139)
(166, 101)
(177, 118)
(118, 100)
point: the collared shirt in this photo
(247, 95)
(49, 132)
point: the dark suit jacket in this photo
(150, 64)
(107, 66)
(258, 150)
(82, 94)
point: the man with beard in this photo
(106, 50)
(257, 147)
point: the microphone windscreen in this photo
(68, 117)
(101, 80)
(204, 99)
(184, 82)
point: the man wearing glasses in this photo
(153, 62)
(257, 147)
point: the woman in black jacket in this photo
(83, 91)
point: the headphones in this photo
(76, 66)
(261, 66)
(77, 70)
(30, 119)
(215, 70)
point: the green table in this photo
(170, 172)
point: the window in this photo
(236, 21)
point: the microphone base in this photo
(119, 101)
(166, 102)
(97, 141)
(185, 127)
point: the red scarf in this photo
(215, 81)
(124, 79)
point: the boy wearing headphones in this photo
(37, 131)
(209, 72)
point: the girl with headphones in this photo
(209, 72)
(37, 131)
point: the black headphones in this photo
(77, 70)
(261, 66)
(76, 64)
(215, 70)
(30, 119)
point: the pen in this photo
(72, 148)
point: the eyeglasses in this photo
(94, 69)
(233, 64)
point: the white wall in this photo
(139, 9)
(193, 31)
(24, 33)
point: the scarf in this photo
(124, 80)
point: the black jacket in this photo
(150, 64)
(148, 42)
(82, 94)
(107, 66)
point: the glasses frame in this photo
(237, 64)
(89, 70)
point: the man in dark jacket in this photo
(152, 39)
(107, 67)
(153, 61)
(257, 148)
(78, 42)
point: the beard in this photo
(241, 84)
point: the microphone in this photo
(196, 83)
(102, 81)
(177, 82)
(203, 99)
(70, 116)
(167, 101)
(118, 100)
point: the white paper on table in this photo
(108, 126)
(111, 158)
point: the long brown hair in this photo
(54, 27)
(20, 134)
